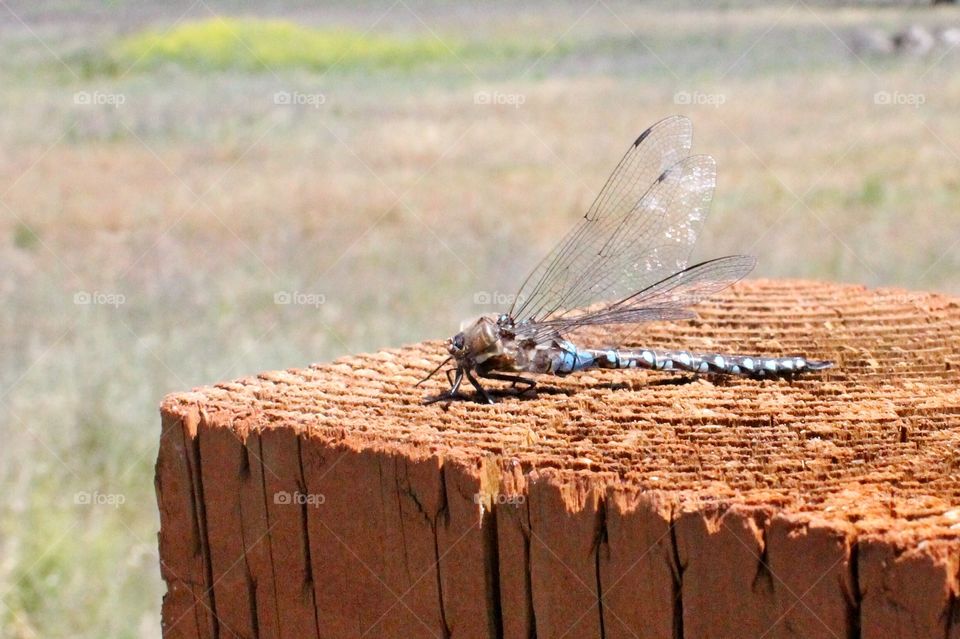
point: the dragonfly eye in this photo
(456, 344)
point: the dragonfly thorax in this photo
(477, 341)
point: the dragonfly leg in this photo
(454, 391)
(513, 379)
(480, 389)
(454, 383)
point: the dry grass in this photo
(397, 200)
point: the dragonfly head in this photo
(456, 345)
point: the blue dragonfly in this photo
(625, 262)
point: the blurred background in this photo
(195, 191)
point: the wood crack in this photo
(601, 541)
(677, 574)
(196, 480)
(307, 547)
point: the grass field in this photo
(169, 177)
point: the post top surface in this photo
(874, 442)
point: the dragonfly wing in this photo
(613, 220)
(668, 299)
(650, 243)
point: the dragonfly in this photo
(625, 262)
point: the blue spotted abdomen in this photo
(571, 359)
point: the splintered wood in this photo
(328, 502)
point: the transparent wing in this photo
(652, 241)
(612, 243)
(668, 299)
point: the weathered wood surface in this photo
(329, 502)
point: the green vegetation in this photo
(257, 45)
(25, 237)
(873, 192)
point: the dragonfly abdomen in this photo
(573, 359)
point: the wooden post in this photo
(329, 502)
